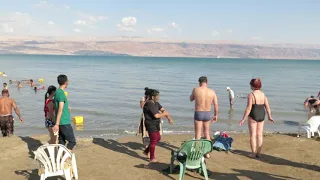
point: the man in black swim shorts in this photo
(204, 98)
(6, 118)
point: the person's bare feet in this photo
(146, 154)
(253, 156)
(207, 156)
(153, 161)
(258, 155)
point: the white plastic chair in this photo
(311, 126)
(54, 160)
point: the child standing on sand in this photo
(49, 113)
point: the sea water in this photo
(106, 90)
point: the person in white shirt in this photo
(231, 96)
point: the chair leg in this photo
(299, 131)
(204, 169)
(67, 174)
(308, 134)
(171, 162)
(42, 177)
(318, 133)
(201, 168)
(74, 167)
(182, 171)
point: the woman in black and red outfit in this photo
(153, 111)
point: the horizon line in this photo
(143, 39)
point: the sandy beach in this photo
(284, 157)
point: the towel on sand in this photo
(222, 142)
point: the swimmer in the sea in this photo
(231, 96)
(19, 84)
(241, 96)
(5, 86)
(4, 74)
(37, 89)
(10, 81)
(31, 83)
(309, 103)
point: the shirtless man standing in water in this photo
(6, 118)
(204, 98)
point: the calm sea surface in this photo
(106, 90)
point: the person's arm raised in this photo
(316, 103)
(16, 109)
(162, 110)
(306, 102)
(154, 110)
(248, 109)
(143, 101)
(142, 104)
(160, 115)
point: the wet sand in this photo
(284, 157)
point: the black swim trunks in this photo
(49, 123)
(6, 125)
(202, 115)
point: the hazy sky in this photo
(260, 21)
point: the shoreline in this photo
(117, 137)
(284, 157)
(81, 131)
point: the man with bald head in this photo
(6, 118)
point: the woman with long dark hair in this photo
(257, 106)
(146, 97)
(141, 128)
(49, 113)
(153, 111)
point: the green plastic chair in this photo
(195, 151)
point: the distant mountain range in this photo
(136, 46)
